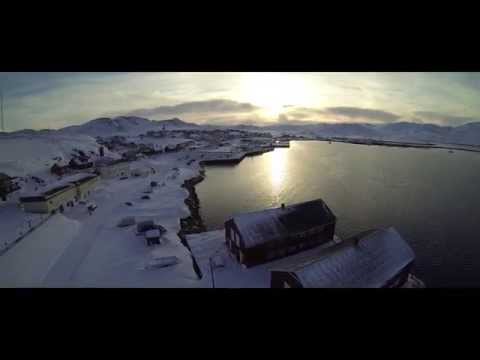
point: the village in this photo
(126, 215)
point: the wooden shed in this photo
(261, 236)
(374, 259)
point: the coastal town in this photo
(123, 212)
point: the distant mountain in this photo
(124, 125)
(468, 134)
(106, 126)
(175, 123)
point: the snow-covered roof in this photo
(59, 185)
(104, 161)
(263, 226)
(371, 262)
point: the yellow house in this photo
(84, 185)
(50, 200)
(63, 194)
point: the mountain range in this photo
(467, 134)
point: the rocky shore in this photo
(192, 224)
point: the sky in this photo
(55, 100)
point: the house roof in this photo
(80, 178)
(263, 226)
(46, 193)
(57, 187)
(370, 261)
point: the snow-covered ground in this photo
(29, 262)
(15, 223)
(79, 250)
(104, 255)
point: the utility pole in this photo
(1, 110)
(212, 272)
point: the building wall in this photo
(62, 199)
(36, 207)
(85, 188)
(73, 194)
(112, 171)
(52, 203)
(276, 249)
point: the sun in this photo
(273, 91)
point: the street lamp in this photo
(212, 274)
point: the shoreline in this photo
(458, 147)
(192, 224)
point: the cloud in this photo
(216, 106)
(443, 119)
(342, 113)
(364, 114)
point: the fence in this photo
(23, 234)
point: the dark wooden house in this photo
(7, 185)
(375, 259)
(258, 237)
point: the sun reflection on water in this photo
(278, 168)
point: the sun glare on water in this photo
(278, 168)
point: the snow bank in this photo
(28, 262)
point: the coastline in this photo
(193, 223)
(458, 147)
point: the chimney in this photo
(283, 206)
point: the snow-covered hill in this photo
(28, 152)
(123, 125)
(24, 154)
